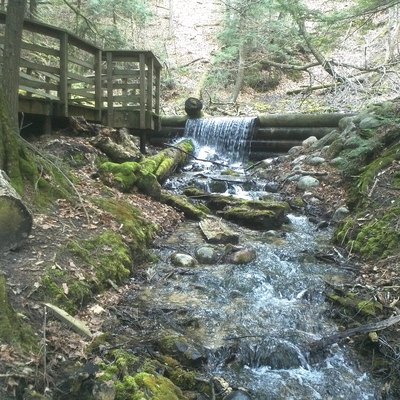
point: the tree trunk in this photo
(240, 72)
(11, 57)
(15, 218)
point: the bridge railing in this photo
(63, 75)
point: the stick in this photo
(378, 326)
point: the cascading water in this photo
(256, 320)
(228, 138)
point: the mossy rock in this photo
(183, 203)
(149, 387)
(182, 349)
(137, 378)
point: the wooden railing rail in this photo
(117, 87)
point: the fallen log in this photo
(117, 144)
(300, 120)
(15, 218)
(178, 121)
(147, 175)
(336, 337)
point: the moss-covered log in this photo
(15, 218)
(149, 173)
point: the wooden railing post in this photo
(63, 89)
(142, 68)
(157, 91)
(98, 88)
(110, 94)
(150, 82)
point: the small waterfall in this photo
(225, 138)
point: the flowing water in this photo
(223, 138)
(257, 320)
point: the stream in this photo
(254, 321)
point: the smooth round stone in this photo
(183, 260)
(307, 182)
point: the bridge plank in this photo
(81, 63)
(38, 92)
(40, 49)
(39, 67)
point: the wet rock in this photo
(243, 256)
(239, 394)
(315, 160)
(337, 162)
(216, 231)
(271, 187)
(309, 141)
(340, 214)
(104, 390)
(182, 350)
(370, 122)
(307, 182)
(207, 255)
(183, 260)
(295, 150)
(217, 186)
(274, 353)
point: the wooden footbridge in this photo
(62, 75)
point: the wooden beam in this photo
(97, 82)
(150, 82)
(110, 94)
(63, 90)
(142, 123)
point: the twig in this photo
(45, 350)
(373, 187)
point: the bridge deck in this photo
(62, 75)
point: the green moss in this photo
(183, 204)
(379, 237)
(368, 176)
(52, 290)
(158, 387)
(107, 257)
(123, 174)
(357, 305)
(139, 231)
(230, 172)
(185, 380)
(375, 238)
(12, 329)
(106, 254)
(133, 379)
